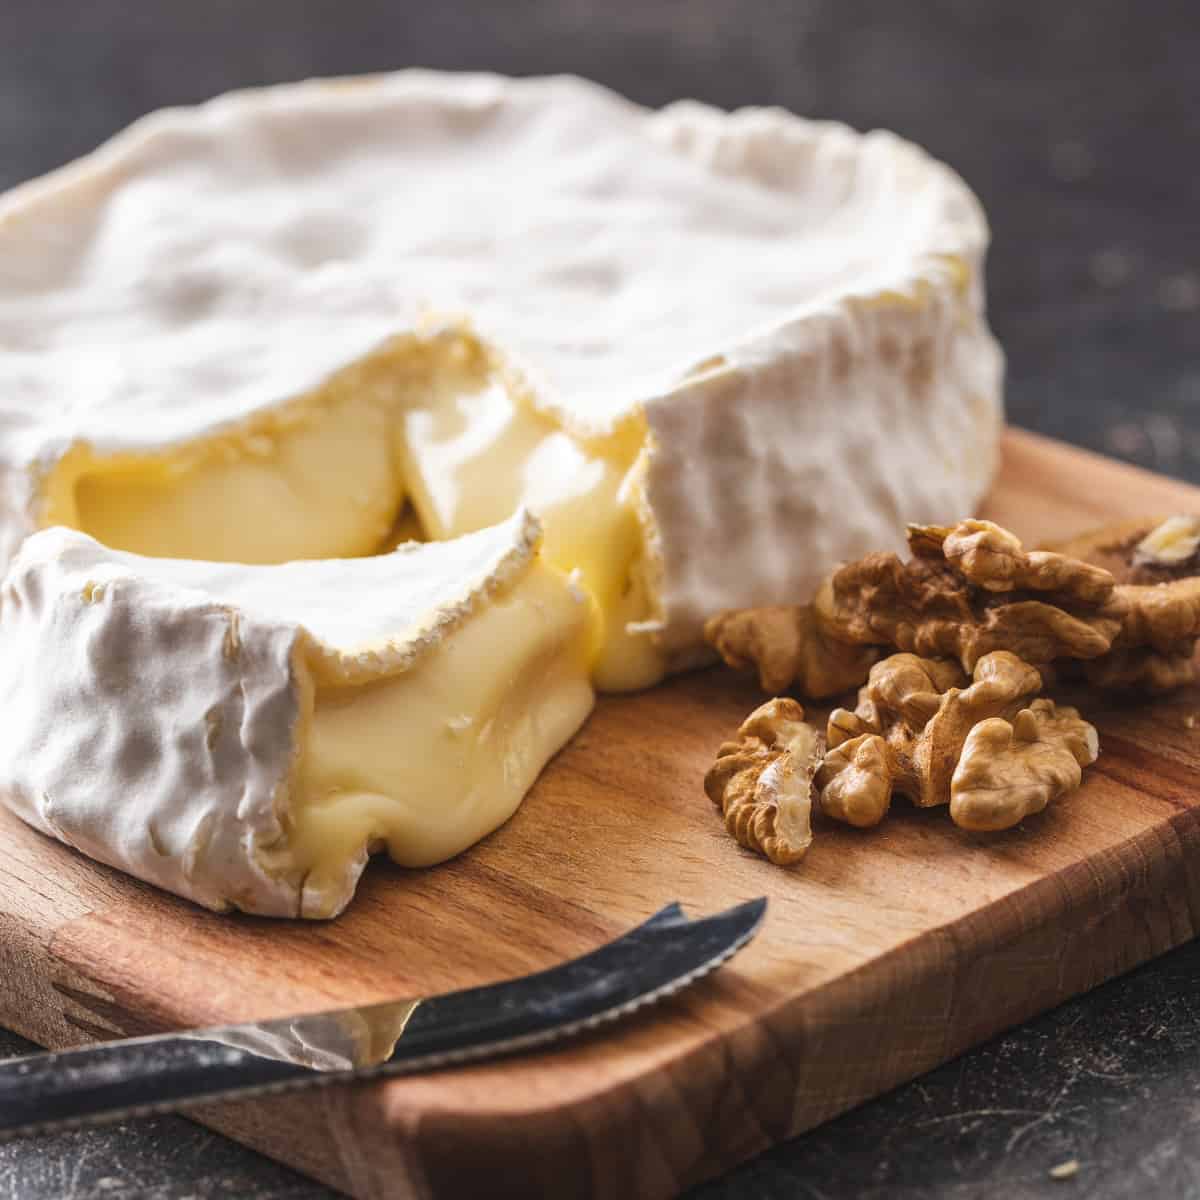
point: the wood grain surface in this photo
(884, 953)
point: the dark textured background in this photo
(1079, 126)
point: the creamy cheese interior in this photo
(473, 454)
(429, 761)
(430, 422)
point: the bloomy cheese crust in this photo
(785, 316)
(154, 709)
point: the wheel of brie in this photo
(713, 353)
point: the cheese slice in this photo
(715, 352)
(245, 735)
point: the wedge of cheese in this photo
(715, 353)
(246, 735)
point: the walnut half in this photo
(967, 590)
(1141, 549)
(762, 783)
(1156, 562)
(787, 647)
(1008, 771)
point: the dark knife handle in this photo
(128, 1077)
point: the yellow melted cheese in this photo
(429, 761)
(473, 454)
(317, 478)
(430, 421)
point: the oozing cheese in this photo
(316, 478)
(473, 454)
(325, 477)
(430, 761)
(246, 735)
(334, 1041)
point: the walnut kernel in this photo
(786, 645)
(971, 589)
(1008, 771)
(762, 782)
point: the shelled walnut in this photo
(1156, 562)
(968, 590)
(786, 645)
(1141, 550)
(762, 782)
(1008, 771)
(907, 735)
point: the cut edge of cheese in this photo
(315, 477)
(184, 722)
(477, 718)
(329, 474)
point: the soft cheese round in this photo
(753, 345)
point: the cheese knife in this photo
(139, 1076)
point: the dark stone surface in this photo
(1079, 126)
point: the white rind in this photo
(214, 262)
(150, 707)
(898, 424)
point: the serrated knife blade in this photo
(109, 1081)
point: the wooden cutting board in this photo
(884, 953)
